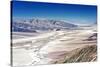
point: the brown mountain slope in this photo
(85, 54)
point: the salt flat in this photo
(50, 47)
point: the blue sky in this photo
(81, 14)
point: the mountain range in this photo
(33, 25)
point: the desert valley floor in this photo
(53, 47)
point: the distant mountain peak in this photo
(31, 25)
